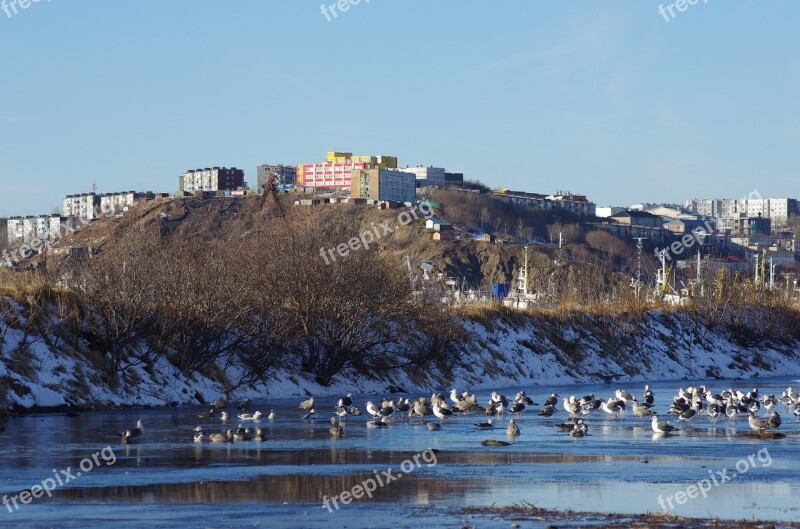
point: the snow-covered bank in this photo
(523, 352)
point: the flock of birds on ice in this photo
(687, 405)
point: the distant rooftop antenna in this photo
(94, 188)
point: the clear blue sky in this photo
(604, 98)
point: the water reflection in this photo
(274, 489)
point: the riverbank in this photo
(499, 352)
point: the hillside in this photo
(182, 300)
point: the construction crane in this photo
(271, 188)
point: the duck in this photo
(433, 426)
(336, 429)
(245, 405)
(662, 426)
(199, 436)
(206, 414)
(512, 429)
(224, 416)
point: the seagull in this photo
(497, 398)
(388, 409)
(336, 429)
(484, 425)
(245, 405)
(421, 408)
(455, 397)
(377, 423)
(640, 410)
(220, 403)
(271, 415)
(372, 409)
(517, 407)
(433, 426)
(259, 436)
(226, 437)
(441, 413)
(250, 417)
(402, 406)
(224, 416)
(523, 398)
(551, 400)
(307, 404)
(548, 410)
(512, 429)
(757, 424)
(662, 426)
(580, 429)
(623, 395)
(309, 415)
(345, 401)
(199, 436)
(134, 435)
(243, 434)
(612, 407)
(571, 405)
(769, 401)
(689, 414)
(206, 414)
(649, 397)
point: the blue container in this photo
(500, 290)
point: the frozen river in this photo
(168, 480)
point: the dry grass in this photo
(578, 520)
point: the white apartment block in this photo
(23, 230)
(85, 206)
(212, 179)
(777, 209)
(426, 176)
